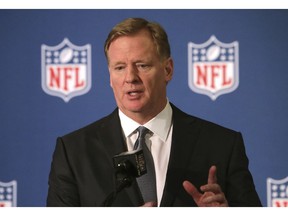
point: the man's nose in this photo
(131, 74)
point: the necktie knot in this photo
(141, 137)
(142, 131)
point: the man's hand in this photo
(212, 194)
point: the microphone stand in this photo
(128, 166)
(124, 179)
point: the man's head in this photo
(140, 67)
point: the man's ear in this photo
(169, 69)
(111, 85)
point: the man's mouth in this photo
(134, 93)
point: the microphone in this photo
(128, 166)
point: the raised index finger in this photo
(212, 178)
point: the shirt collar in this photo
(159, 125)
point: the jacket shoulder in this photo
(92, 128)
(181, 116)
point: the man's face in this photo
(138, 76)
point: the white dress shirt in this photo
(159, 143)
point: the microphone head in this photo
(131, 163)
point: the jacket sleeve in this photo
(63, 189)
(240, 186)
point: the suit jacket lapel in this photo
(111, 134)
(183, 142)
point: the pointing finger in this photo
(212, 178)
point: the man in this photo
(197, 163)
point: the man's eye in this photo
(143, 66)
(119, 68)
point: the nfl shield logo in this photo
(277, 192)
(8, 194)
(66, 69)
(213, 67)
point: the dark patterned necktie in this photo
(146, 182)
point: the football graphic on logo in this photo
(213, 53)
(66, 55)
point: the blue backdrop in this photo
(31, 119)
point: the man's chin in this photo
(135, 107)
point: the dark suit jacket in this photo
(82, 172)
